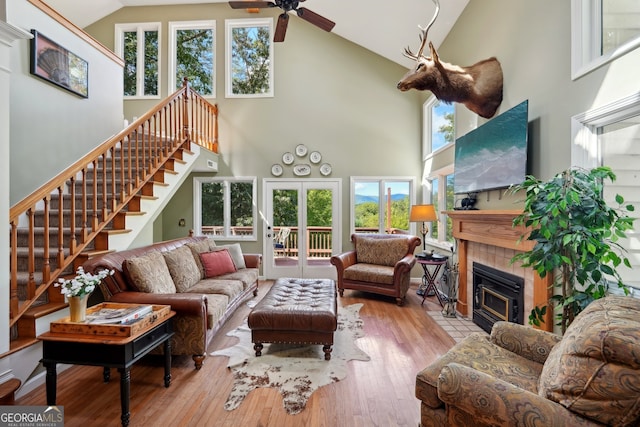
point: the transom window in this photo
(438, 125)
(139, 46)
(225, 208)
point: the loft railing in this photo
(76, 205)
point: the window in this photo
(225, 208)
(443, 199)
(381, 205)
(610, 136)
(249, 58)
(438, 123)
(192, 55)
(139, 46)
(602, 30)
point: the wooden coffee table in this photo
(108, 351)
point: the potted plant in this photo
(576, 234)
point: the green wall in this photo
(330, 94)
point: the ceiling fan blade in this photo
(281, 27)
(317, 20)
(250, 4)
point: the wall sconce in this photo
(424, 214)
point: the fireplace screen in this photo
(497, 296)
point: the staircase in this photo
(88, 208)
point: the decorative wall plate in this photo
(301, 170)
(276, 170)
(287, 158)
(325, 169)
(315, 157)
(301, 150)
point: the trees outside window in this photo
(225, 207)
(139, 46)
(192, 55)
(381, 205)
(249, 58)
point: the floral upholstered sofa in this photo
(520, 376)
(378, 263)
(203, 283)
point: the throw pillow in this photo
(236, 254)
(149, 273)
(591, 370)
(217, 263)
(183, 268)
(197, 248)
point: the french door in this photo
(302, 227)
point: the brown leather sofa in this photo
(201, 309)
(521, 376)
(378, 263)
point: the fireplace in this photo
(497, 295)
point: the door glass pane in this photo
(367, 207)
(213, 208)
(285, 227)
(319, 211)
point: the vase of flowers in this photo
(78, 289)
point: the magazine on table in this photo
(119, 315)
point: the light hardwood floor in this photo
(400, 340)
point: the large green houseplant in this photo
(576, 234)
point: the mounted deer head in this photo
(478, 87)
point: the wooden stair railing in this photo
(63, 220)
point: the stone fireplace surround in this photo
(488, 237)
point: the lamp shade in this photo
(422, 213)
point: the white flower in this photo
(82, 284)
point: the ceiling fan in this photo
(283, 20)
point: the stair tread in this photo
(35, 312)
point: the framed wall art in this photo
(57, 65)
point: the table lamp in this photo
(424, 214)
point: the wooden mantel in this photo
(493, 228)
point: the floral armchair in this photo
(520, 376)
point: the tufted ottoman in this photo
(296, 311)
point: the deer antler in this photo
(423, 35)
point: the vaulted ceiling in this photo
(381, 26)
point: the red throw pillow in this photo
(217, 263)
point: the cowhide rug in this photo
(297, 371)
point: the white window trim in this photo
(380, 180)
(585, 150)
(441, 175)
(141, 27)
(230, 25)
(174, 26)
(586, 28)
(226, 181)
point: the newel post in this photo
(185, 111)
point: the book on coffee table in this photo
(118, 315)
